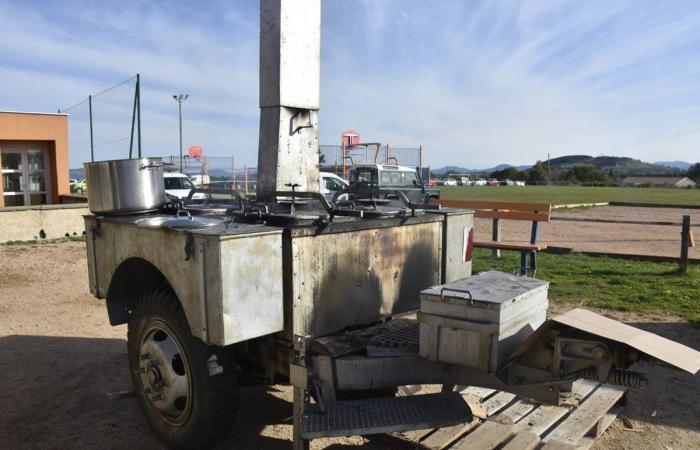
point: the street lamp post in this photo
(179, 99)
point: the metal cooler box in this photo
(479, 321)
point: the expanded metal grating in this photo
(385, 415)
(397, 342)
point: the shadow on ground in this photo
(60, 392)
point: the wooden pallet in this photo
(507, 422)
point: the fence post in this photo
(496, 236)
(233, 172)
(245, 178)
(685, 241)
(92, 143)
(420, 159)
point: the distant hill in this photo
(456, 169)
(675, 164)
(620, 165)
(76, 174)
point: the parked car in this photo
(450, 182)
(390, 178)
(179, 185)
(77, 186)
(331, 183)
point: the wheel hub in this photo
(165, 374)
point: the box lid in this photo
(490, 287)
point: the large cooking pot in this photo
(125, 186)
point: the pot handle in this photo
(152, 165)
(183, 212)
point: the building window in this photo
(24, 174)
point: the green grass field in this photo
(624, 285)
(559, 195)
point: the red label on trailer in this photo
(468, 244)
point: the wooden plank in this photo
(510, 206)
(477, 392)
(512, 215)
(580, 389)
(557, 446)
(496, 403)
(514, 412)
(541, 419)
(487, 436)
(522, 441)
(509, 246)
(443, 437)
(587, 442)
(586, 416)
(474, 396)
(416, 435)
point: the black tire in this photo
(208, 411)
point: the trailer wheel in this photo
(186, 389)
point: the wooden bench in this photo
(497, 211)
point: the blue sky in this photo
(476, 83)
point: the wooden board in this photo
(487, 436)
(522, 441)
(509, 246)
(513, 215)
(497, 402)
(444, 437)
(587, 416)
(515, 412)
(509, 206)
(509, 422)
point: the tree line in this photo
(586, 174)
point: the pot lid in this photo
(183, 220)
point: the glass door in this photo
(24, 177)
(13, 178)
(35, 194)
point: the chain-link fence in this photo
(339, 159)
(216, 171)
(106, 125)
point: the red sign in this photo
(350, 137)
(195, 151)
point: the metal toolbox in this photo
(479, 321)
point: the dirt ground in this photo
(62, 368)
(658, 240)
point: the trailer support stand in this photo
(299, 443)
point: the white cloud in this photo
(477, 83)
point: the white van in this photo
(179, 185)
(330, 184)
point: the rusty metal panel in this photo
(348, 279)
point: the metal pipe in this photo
(92, 143)
(179, 99)
(138, 109)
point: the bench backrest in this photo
(534, 212)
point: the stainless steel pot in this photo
(125, 186)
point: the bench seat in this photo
(510, 246)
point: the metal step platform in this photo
(384, 415)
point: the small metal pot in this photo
(125, 186)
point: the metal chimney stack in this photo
(290, 46)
